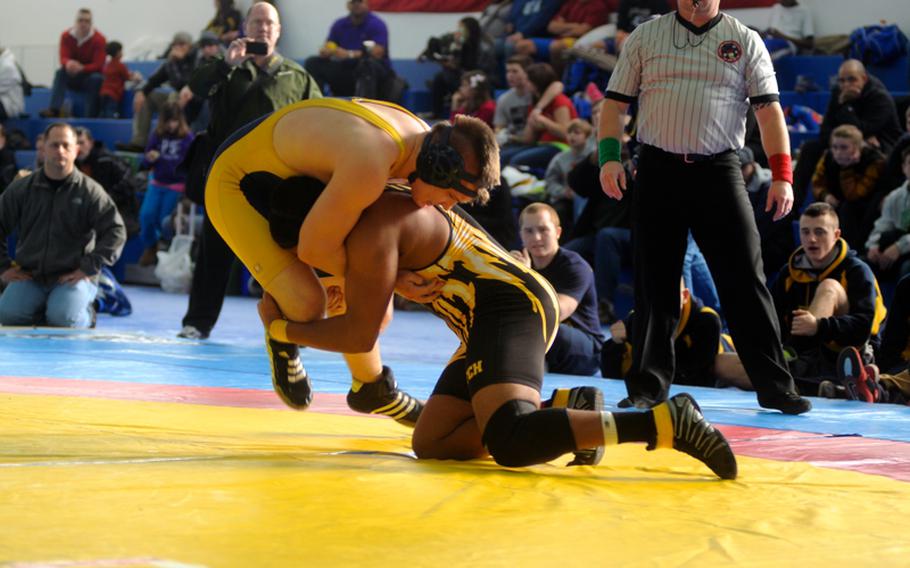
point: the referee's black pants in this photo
(670, 198)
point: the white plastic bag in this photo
(175, 266)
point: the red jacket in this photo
(90, 52)
(115, 75)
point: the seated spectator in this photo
(466, 49)
(513, 106)
(495, 18)
(114, 175)
(697, 344)
(167, 148)
(790, 30)
(557, 191)
(888, 246)
(176, 71)
(826, 299)
(226, 23)
(576, 348)
(574, 19)
(474, 98)
(12, 96)
(776, 236)
(847, 178)
(528, 19)
(54, 279)
(81, 61)
(355, 58)
(546, 127)
(857, 99)
(196, 109)
(115, 77)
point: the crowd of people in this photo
(540, 91)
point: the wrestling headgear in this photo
(441, 165)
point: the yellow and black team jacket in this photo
(697, 340)
(796, 286)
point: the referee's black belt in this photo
(687, 158)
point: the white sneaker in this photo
(191, 332)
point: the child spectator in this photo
(167, 147)
(888, 247)
(846, 177)
(474, 98)
(557, 190)
(115, 77)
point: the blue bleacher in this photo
(419, 75)
(821, 68)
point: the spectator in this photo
(528, 19)
(115, 77)
(576, 349)
(602, 234)
(888, 246)
(894, 352)
(494, 19)
(860, 100)
(474, 98)
(236, 97)
(847, 178)
(196, 109)
(114, 175)
(81, 61)
(167, 148)
(826, 299)
(546, 126)
(68, 229)
(789, 30)
(355, 58)
(697, 343)
(12, 96)
(466, 49)
(557, 191)
(513, 106)
(776, 238)
(574, 19)
(176, 71)
(227, 21)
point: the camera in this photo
(257, 48)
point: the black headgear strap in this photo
(439, 164)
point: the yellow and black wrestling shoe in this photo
(680, 425)
(384, 397)
(289, 378)
(581, 398)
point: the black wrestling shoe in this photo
(581, 398)
(788, 403)
(681, 426)
(289, 378)
(383, 397)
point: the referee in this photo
(694, 73)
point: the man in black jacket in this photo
(114, 175)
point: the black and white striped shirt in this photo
(693, 89)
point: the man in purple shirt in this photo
(355, 58)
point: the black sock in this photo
(635, 427)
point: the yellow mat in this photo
(90, 482)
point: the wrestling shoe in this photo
(680, 425)
(289, 378)
(860, 380)
(383, 397)
(581, 398)
(787, 402)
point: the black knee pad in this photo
(518, 434)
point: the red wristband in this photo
(781, 168)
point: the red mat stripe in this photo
(855, 453)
